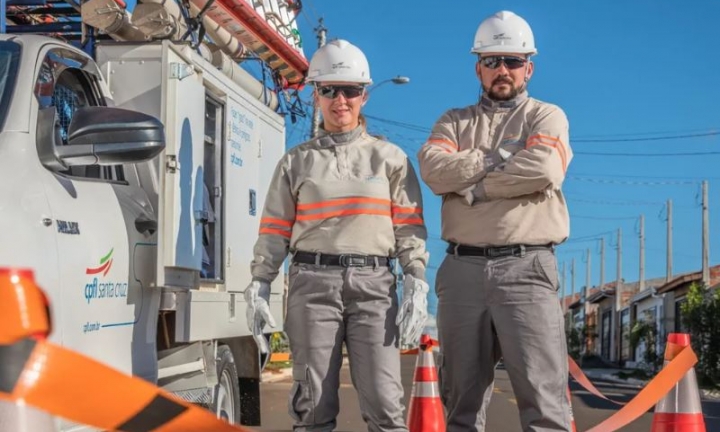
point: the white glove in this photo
(413, 311)
(257, 296)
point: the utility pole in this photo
(668, 276)
(619, 279)
(602, 264)
(564, 280)
(642, 253)
(618, 296)
(705, 235)
(586, 305)
(321, 35)
(572, 276)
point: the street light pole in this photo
(321, 36)
(399, 80)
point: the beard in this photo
(502, 95)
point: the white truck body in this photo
(144, 262)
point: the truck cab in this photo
(131, 184)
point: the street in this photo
(588, 409)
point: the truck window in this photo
(64, 83)
(9, 59)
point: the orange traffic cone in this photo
(680, 409)
(426, 413)
(572, 416)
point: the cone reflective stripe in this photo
(425, 413)
(680, 410)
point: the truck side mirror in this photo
(100, 136)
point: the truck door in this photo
(105, 234)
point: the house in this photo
(643, 306)
(674, 293)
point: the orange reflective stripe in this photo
(341, 202)
(23, 306)
(274, 221)
(275, 231)
(344, 212)
(550, 142)
(444, 144)
(408, 221)
(399, 210)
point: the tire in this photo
(226, 398)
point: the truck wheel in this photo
(226, 403)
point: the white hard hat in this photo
(504, 32)
(339, 60)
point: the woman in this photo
(344, 204)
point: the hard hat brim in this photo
(337, 78)
(503, 49)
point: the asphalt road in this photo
(589, 410)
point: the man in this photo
(499, 166)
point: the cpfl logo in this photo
(101, 289)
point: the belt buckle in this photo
(495, 251)
(352, 261)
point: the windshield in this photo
(9, 59)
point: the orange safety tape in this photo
(649, 396)
(70, 385)
(23, 306)
(583, 380)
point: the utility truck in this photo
(132, 183)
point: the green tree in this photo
(701, 317)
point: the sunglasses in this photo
(493, 62)
(332, 91)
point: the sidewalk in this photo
(610, 375)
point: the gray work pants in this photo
(502, 307)
(327, 306)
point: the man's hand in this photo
(257, 296)
(493, 161)
(413, 311)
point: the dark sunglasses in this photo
(493, 62)
(332, 91)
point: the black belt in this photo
(517, 250)
(344, 260)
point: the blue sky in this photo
(619, 69)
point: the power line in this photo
(647, 177)
(616, 202)
(633, 182)
(603, 218)
(647, 154)
(592, 237)
(655, 138)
